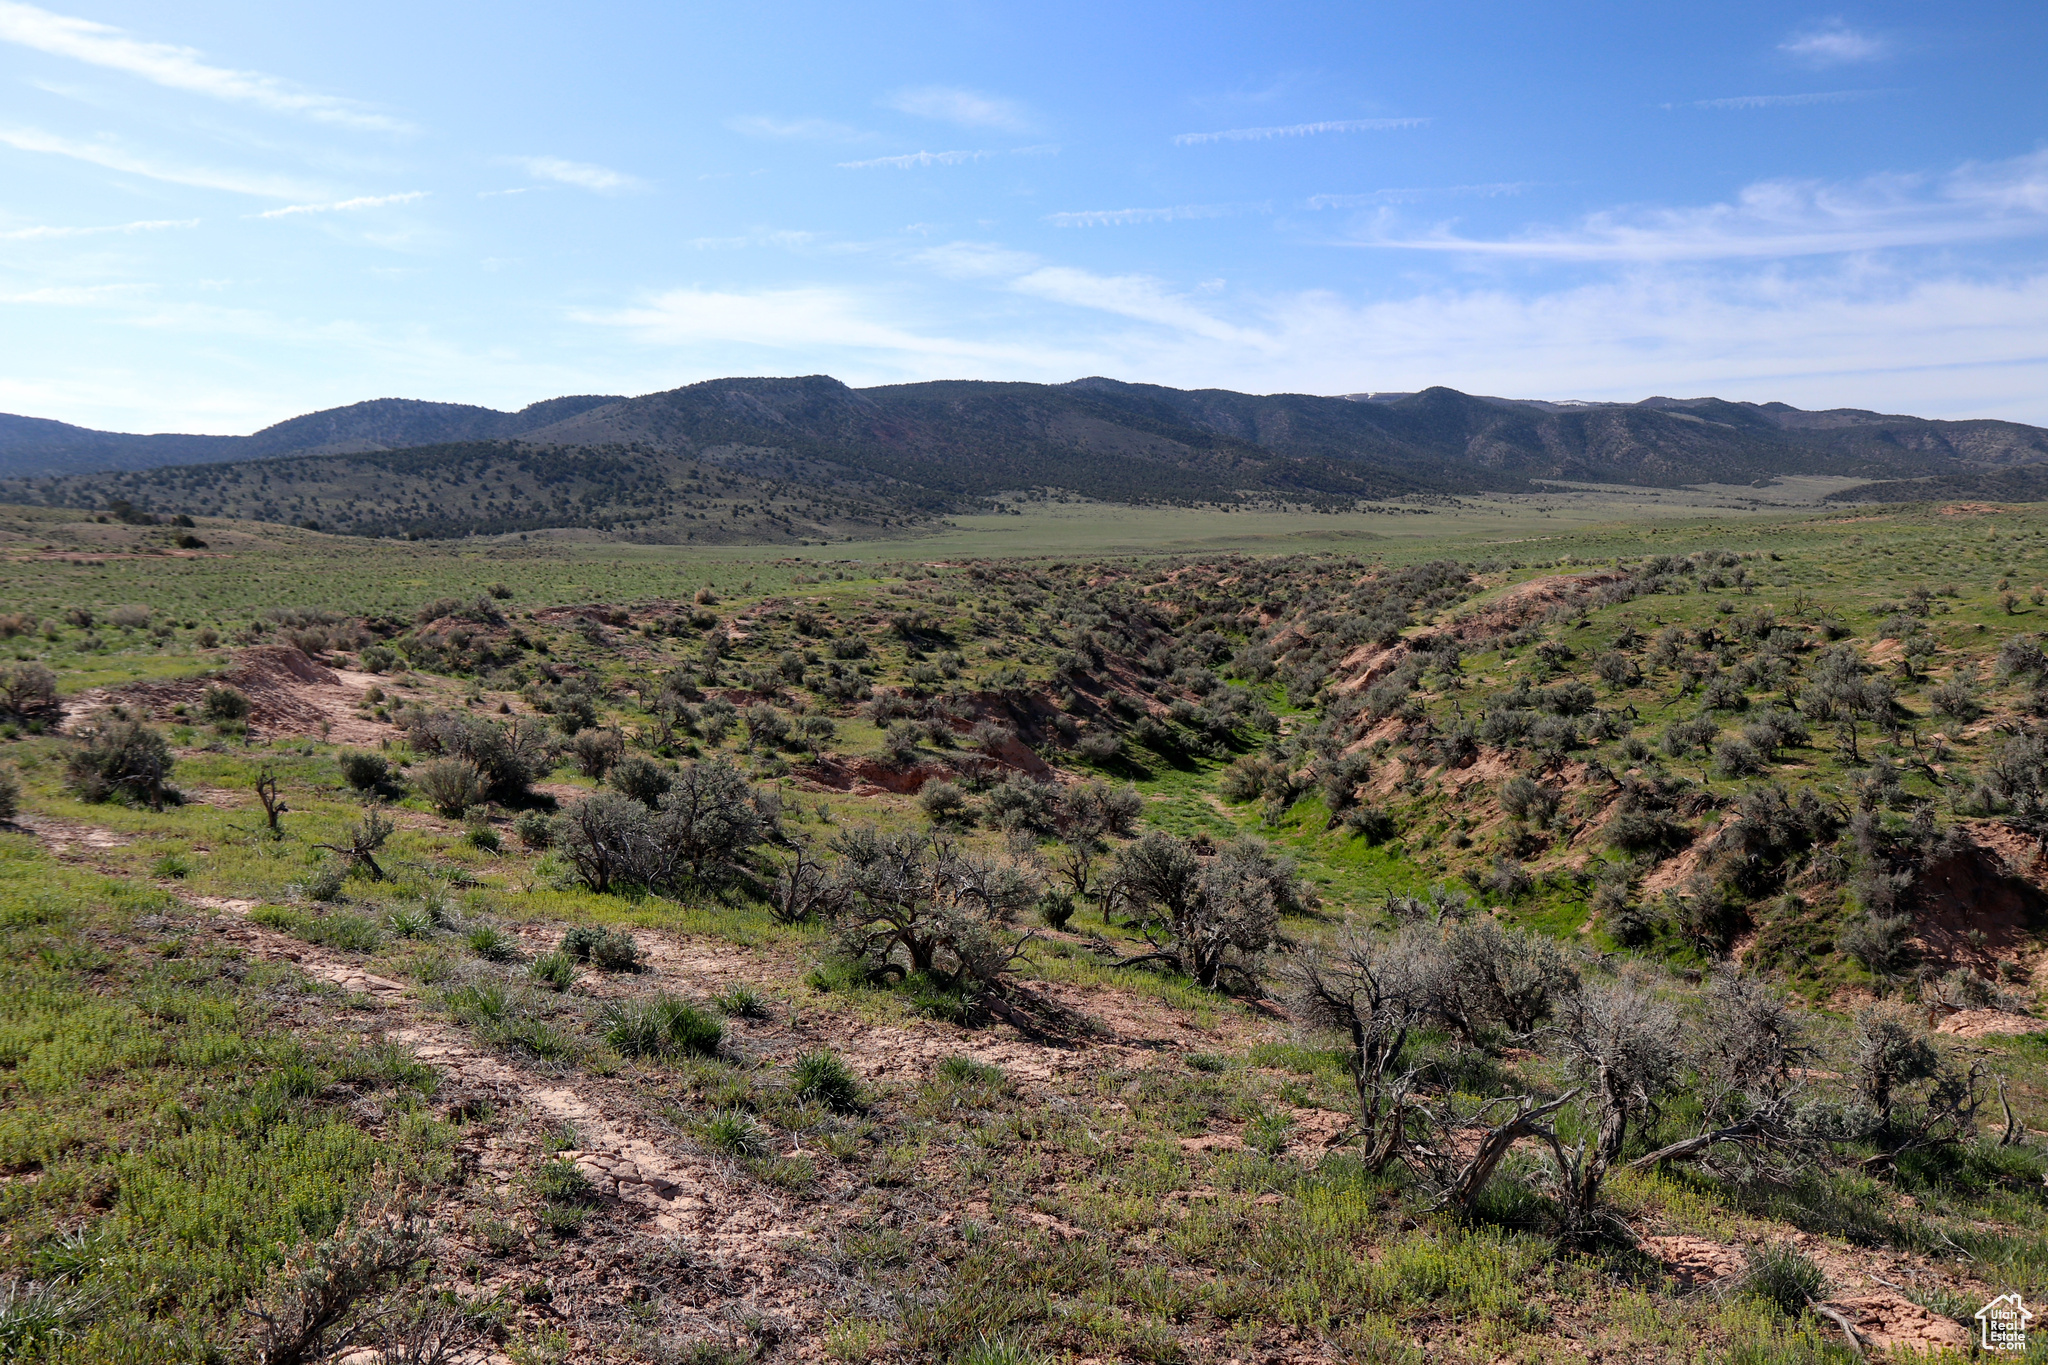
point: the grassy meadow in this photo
(286, 1088)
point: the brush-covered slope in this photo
(647, 465)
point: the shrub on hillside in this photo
(364, 771)
(123, 758)
(508, 757)
(640, 778)
(28, 691)
(450, 785)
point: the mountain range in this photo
(739, 458)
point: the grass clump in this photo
(661, 1027)
(822, 1078)
(555, 970)
(735, 1132)
(492, 944)
(1783, 1277)
(741, 1001)
(611, 950)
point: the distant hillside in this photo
(795, 458)
(34, 445)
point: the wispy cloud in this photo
(911, 159)
(797, 129)
(785, 237)
(1373, 198)
(1139, 297)
(179, 68)
(82, 295)
(1851, 335)
(1349, 125)
(977, 261)
(114, 157)
(1790, 218)
(1176, 213)
(1834, 43)
(581, 174)
(1781, 101)
(967, 108)
(806, 321)
(368, 201)
(33, 234)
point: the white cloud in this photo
(1782, 101)
(81, 296)
(809, 322)
(179, 68)
(116, 158)
(1834, 43)
(785, 237)
(905, 162)
(976, 261)
(806, 129)
(1352, 125)
(581, 174)
(1373, 198)
(1788, 218)
(1132, 296)
(1125, 217)
(1855, 335)
(31, 234)
(967, 108)
(373, 201)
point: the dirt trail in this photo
(680, 1192)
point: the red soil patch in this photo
(1367, 664)
(1694, 1261)
(289, 694)
(1989, 1023)
(1672, 872)
(1886, 1318)
(1969, 909)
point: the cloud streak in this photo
(966, 108)
(1781, 219)
(1352, 125)
(36, 234)
(1834, 43)
(114, 157)
(1373, 198)
(802, 320)
(1127, 217)
(1782, 101)
(911, 160)
(580, 174)
(1859, 335)
(177, 68)
(372, 201)
(796, 129)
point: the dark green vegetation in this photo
(1434, 954)
(779, 460)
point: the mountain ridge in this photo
(810, 455)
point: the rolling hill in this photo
(792, 458)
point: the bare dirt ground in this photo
(658, 1185)
(289, 694)
(661, 1190)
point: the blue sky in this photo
(220, 214)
